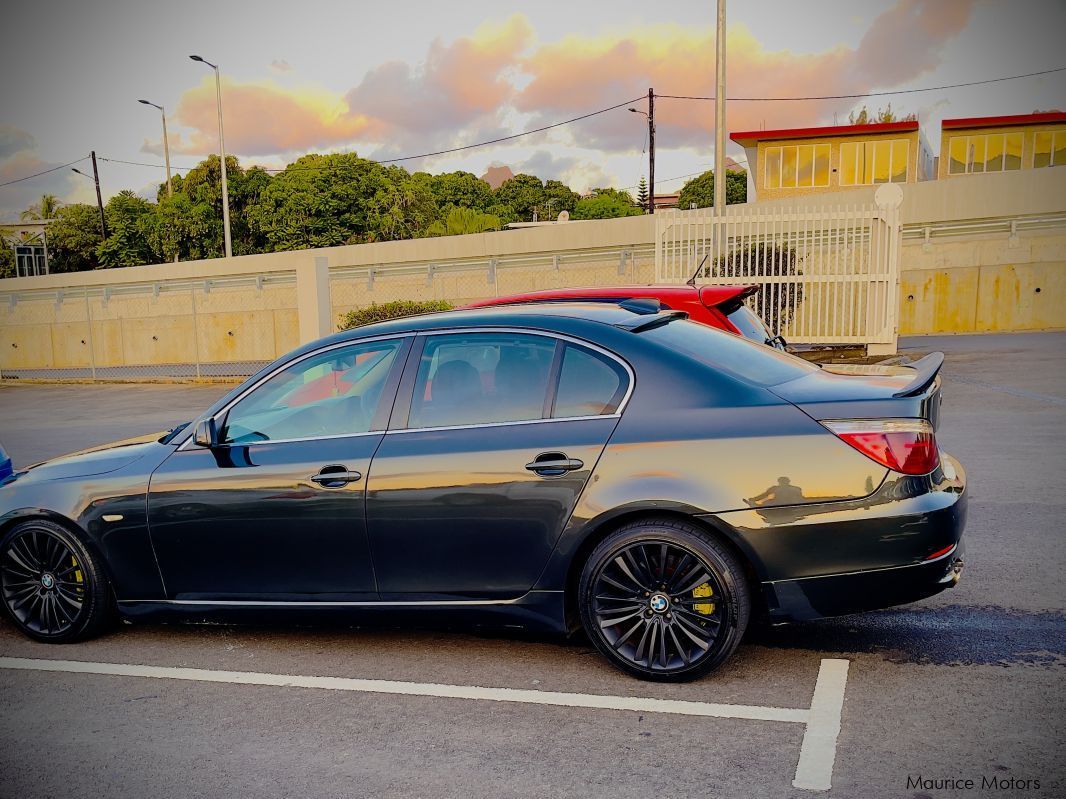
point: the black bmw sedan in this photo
(615, 468)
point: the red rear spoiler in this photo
(717, 296)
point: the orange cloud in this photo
(579, 73)
(265, 118)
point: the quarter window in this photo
(333, 393)
(987, 152)
(864, 163)
(590, 384)
(481, 378)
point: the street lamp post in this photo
(222, 150)
(166, 143)
(719, 112)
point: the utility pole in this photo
(99, 198)
(650, 114)
(651, 151)
(95, 177)
(719, 113)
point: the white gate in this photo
(828, 275)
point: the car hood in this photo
(97, 460)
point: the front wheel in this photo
(663, 600)
(50, 584)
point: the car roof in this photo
(708, 295)
(525, 315)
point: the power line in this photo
(424, 155)
(45, 172)
(543, 128)
(870, 94)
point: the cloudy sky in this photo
(398, 78)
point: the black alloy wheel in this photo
(663, 600)
(50, 584)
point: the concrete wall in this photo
(249, 308)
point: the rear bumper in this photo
(840, 594)
(900, 544)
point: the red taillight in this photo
(902, 445)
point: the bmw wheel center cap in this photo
(659, 603)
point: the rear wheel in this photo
(50, 584)
(662, 600)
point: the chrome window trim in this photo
(531, 332)
(187, 443)
(338, 345)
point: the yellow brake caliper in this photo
(77, 574)
(700, 591)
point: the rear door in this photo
(492, 441)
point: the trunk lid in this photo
(844, 391)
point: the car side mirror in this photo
(205, 434)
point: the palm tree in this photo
(45, 208)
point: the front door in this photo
(275, 511)
(470, 490)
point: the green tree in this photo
(642, 193)
(459, 189)
(606, 204)
(127, 242)
(7, 259)
(524, 194)
(203, 185)
(558, 197)
(183, 228)
(322, 201)
(44, 208)
(882, 115)
(400, 208)
(700, 190)
(460, 221)
(73, 238)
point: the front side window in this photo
(332, 393)
(481, 378)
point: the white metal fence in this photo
(828, 275)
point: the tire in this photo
(665, 635)
(51, 585)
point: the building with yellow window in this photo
(1002, 144)
(785, 163)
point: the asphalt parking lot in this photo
(967, 685)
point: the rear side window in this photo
(481, 378)
(590, 384)
(752, 362)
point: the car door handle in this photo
(552, 464)
(335, 477)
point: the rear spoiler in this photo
(925, 371)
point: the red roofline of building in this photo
(830, 130)
(1004, 122)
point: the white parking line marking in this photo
(822, 720)
(814, 772)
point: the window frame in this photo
(405, 395)
(860, 145)
(382, 413)
(826, 147)
(1054, 136)
(968, 165)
